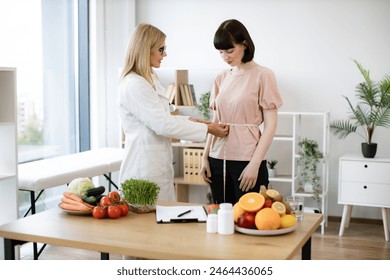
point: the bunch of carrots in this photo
(70, 201)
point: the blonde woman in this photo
(146, 118)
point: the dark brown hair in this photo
(234, 32)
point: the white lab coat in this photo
(148, 126)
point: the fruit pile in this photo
(267, 210)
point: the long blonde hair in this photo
(144, 38)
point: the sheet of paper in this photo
(168, 214)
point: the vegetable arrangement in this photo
(81, 195)
(111, 206)
(140, 192)
(79, 186)
(72, 202)
(93, 196)
(86, 190)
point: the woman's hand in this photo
(205, 171)
(219, 130)
(248, 177)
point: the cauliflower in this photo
(78, 186)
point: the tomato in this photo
(113, 212)
(114, 197)
(105, 201)
(124, 207)
(99, 212)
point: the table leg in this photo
(306, 250)
(385, 223)
(9, 248)
(35, 251)
(33, 211)
(104, 256)
(345, 219)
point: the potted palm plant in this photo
(371, 111)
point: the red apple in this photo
(247, 220)
(212, 208)
(268, 203)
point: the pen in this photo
(186, 212)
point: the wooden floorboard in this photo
(363, 240)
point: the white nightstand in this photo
(364, 182)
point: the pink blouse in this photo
(239, 99)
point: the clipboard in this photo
(181, 214)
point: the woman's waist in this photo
(233, 155)
(240, 124)
(234, 150)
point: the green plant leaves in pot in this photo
(141, 195)
(372, 110)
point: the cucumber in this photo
(90, 200)
(95, 191)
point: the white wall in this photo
(111, 23)
(308, 43)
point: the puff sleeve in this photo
(269, 96)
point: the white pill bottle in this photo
(225, 218)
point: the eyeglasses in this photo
(162, 49)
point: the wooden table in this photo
(139, 235)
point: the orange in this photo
(252, 201)
(279, 207)
(267, 219)
(237, 211)
(272, 193)
(288, 220)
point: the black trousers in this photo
(232, 192)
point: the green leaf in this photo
(371, 110)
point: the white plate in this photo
(265, 232)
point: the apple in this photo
(247, 220)
(213, 209)
(268, 203)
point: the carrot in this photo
(88, 205)
(74, 207)
(69, 201)
(73, 197)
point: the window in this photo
(42, 39)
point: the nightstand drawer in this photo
(377, 195)
(365, 171)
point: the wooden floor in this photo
(363, 240)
